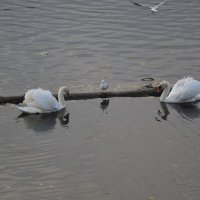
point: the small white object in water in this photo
(42, 101)
(104, 85)
(43, 53)
(152, 8)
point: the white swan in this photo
(185, 90)
(42, 101)
(104, 85)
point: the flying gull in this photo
(152, 8)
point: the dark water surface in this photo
(122, 149)
(133, 149)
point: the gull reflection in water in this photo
(188, 111)
(104, 104)
(45, 122)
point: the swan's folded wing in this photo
(185, 90)
(30, 110)
(179, 90)
(176, 92)
(180, 85)
(44, 100)
(191, 90)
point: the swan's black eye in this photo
(159, 87)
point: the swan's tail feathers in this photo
(197, 98)
(30, 110)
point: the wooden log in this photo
(140, 92)
(95, 95)
(11, 99)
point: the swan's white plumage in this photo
(29, 110)
(185, 90)
(42, 101)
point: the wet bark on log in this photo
(11, 99)
(140, 92)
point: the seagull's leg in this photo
(104, 94)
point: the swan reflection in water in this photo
(45, 122)
(104, 104)
(188, 111)
(163, 112)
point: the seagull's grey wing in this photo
(137, 4)
(159, 4)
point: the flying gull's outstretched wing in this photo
(155, 7)
(137, 4)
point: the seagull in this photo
(152, 8)
(104, 85)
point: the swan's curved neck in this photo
(61, 98)
(165, 92)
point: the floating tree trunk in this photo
(140, 92)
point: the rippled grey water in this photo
(121, 149)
